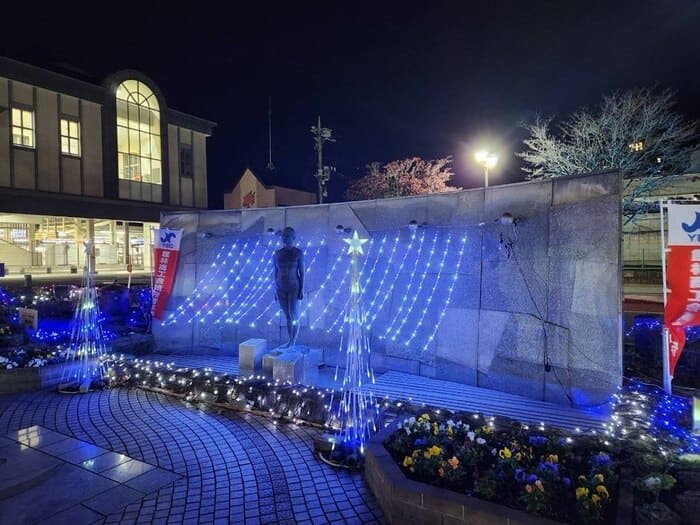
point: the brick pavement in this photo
(236, 468)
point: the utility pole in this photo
(323, 173)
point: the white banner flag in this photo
(683, 225)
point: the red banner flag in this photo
(164, 265)
(682, 277)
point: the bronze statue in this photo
(289, 282)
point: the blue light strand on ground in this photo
(646, 412)
(654, 325)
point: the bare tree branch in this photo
(637, 133)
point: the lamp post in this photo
(488, 161)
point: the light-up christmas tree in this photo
(83, 368)
(355, 416)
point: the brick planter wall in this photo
(29, 379)
(408, 502)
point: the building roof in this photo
(270, 179)
(70, 85)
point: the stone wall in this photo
(535, 308)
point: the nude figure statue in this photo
(289, 282)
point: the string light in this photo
(386, 293)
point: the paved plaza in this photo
(131, 456)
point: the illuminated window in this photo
(70, 137)
(23, 127)
(138, 133)
(637, 146)
(186, 166)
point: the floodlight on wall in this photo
(270, 231)
(413, 225)
(204, 235)
(507, 219)
(339, 229)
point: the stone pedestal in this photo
(313, 357)
(288, 367)
(250, 354)
(269, 359)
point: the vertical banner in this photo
(682, 308)
(167, 247)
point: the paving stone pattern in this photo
(236, 468)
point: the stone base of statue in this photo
(295, 364)
(289, 368)
(250, 354)
(269, 359)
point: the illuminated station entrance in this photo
(48, 244)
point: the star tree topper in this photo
(355, 244)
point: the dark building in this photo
(81, 161)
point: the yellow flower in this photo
(598, 478)
(581, 492)
(487, 429)
(449, 431)
(435, 429)
(528, 488)
(435, 450)
(539, 485)
(518, 456)
(424, 417)
(407, 461)
(454, 462)
(595, 499)
(600, 489)
(505, 453)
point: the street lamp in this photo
(488, 161)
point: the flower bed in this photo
(546, 474)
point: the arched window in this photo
(138, 133)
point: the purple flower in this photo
(537, 440)
(566, 482)
(531, 479)
(546, 466)
(420, 442)
(519, 474)
(602, 459)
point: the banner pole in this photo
(664, 338)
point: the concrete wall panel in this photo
(545, 291)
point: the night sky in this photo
(392, 80)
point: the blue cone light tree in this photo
(356, 413)
(83, 367)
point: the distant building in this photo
(82, 161)
(642, 238)
(252, 192)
